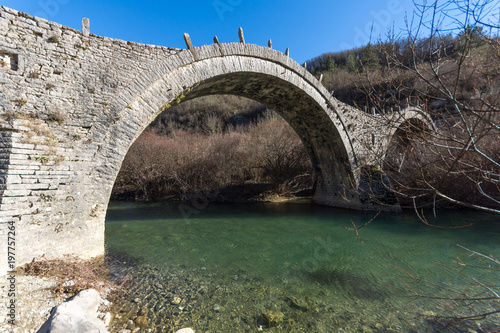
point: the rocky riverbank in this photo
(245, 193)
(56, 300)
(33, 302)
(158, 300)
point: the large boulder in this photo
(76, 315)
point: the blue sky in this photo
(307, 28)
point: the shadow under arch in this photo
(275, 81)
(411, 126)
(412, 122)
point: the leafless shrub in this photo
(185, 164)
(455, 78)
(213, 125)
(208, 115)
(279, 156)
(57, 116)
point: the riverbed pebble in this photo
(176, 300)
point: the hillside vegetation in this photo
(456, 80)
(384, 75)
(233, 148)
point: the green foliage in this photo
(42, 159)
(179, 98)
(352, 63)
(330, 64)
(80, 46)
(385, 71)
(471, 39)
(163, 108)
(370, 59)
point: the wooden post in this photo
(216, 40)
(270, 44)
(287, 52)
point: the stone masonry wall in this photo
(54, 83)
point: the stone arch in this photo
(411, 120)
(380, 132)
(95, 95)
(250, 71)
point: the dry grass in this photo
(73, 275)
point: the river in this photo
(293, 267)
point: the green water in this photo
(293, 267)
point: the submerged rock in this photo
(130, 325)
(185, 330)
(77, 315)
(141, 320)
(296, 304)
(272, 318)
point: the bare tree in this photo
(448, 64)
(451, 64)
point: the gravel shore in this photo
(33, 303)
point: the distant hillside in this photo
(377, 75)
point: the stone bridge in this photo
(72, 103)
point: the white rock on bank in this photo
(185, 330)
(78, 315)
